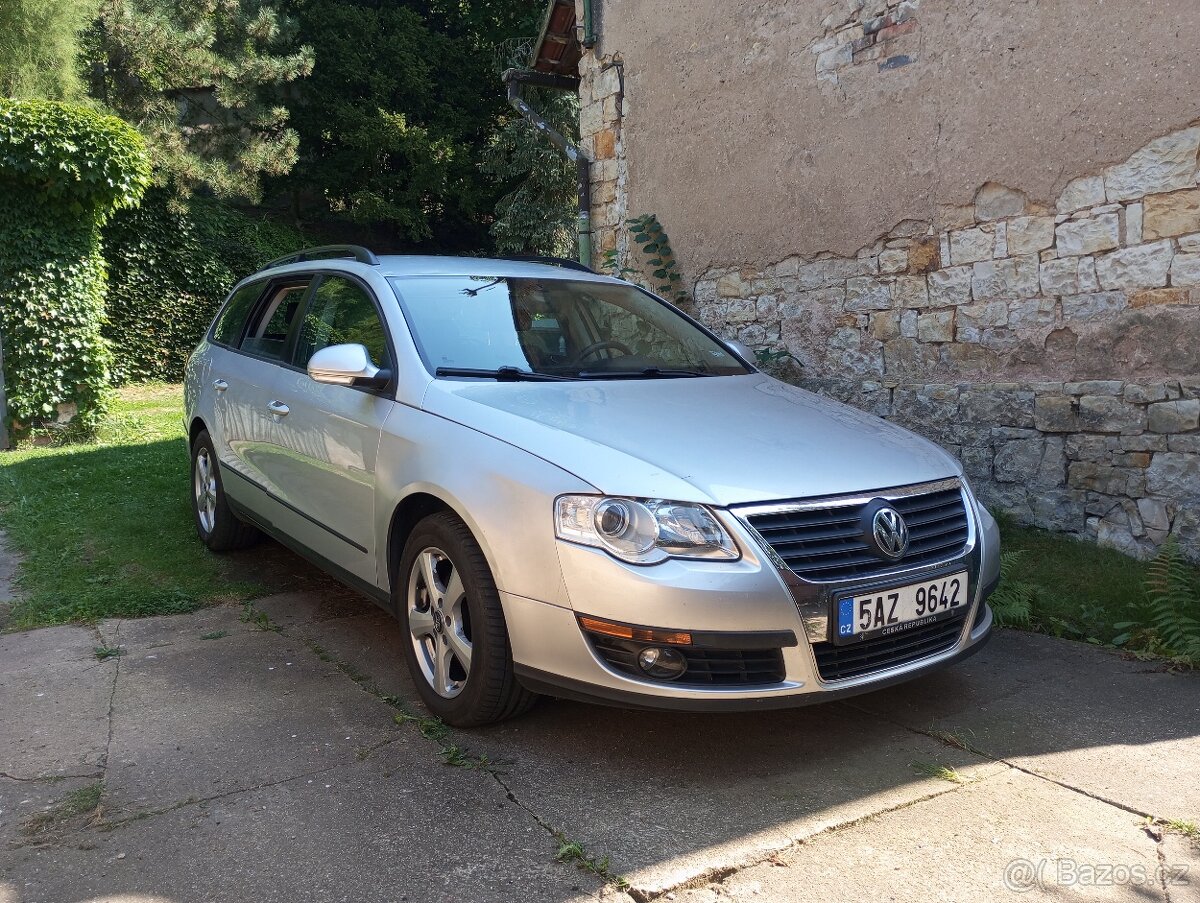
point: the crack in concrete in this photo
(974, 750)
(365, 684)
(201, 800)
(722, 874)
(49, 778)
(112, 696)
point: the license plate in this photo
(866, 615)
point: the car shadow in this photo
(665, 794)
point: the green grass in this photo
(1078, 590)
(105, 527)
(84, 801)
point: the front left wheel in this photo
(458, 650)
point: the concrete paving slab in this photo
(1119, 728)
(669, 797)
(195, 718)
(55, 719)
(45, 647)
(399, 826)
(1047, 842)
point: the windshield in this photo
(558, 327)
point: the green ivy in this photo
(63, 170)
(657, 255)
(170, 267)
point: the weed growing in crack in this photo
(572, 851)
(957, 740)
(251, 615)
(214, 635)
(103, 653)
(1179, 826)
(83, 801)
(941, 772)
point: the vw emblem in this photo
(890, 532)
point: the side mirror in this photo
(742, 350)
(346, 365)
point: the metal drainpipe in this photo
(514, 79)
(589, 26)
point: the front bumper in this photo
(758, 593)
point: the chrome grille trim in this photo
(855, 563)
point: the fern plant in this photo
(1172, 598)
(1012, 602)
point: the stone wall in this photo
(1044, 325)
(1056, 350)
(601, 110)
(1113, 461)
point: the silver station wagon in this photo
(561, 484)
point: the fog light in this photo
(663, 663)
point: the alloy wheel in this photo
(439, 620)
(205, 485)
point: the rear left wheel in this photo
(458, 651)
(216, 524)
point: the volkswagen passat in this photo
(561, 484)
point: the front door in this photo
(322, 463)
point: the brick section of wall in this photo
(601, 103)
(865, 31)
(956, 329)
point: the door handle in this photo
(220, 385)
(278, 408)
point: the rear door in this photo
(242, 378)
(323, 461)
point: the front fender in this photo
(504, 494)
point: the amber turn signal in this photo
(640, 634)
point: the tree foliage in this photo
(537, 214)
(201, 80)
(398, 111)
(39, 46)
(63, 170)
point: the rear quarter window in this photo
(232, 318)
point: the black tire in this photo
(218, 527)
(489, 690)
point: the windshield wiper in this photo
(646, 373)
(501, 374)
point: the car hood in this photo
(715, 440)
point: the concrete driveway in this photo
(257, 755)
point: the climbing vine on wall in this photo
(654, 252)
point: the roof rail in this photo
(565, 262)
(358, 252)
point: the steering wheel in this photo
(601, 346)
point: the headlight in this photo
(642, 531)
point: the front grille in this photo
(705, 667)
(842, 662)
(827, 543)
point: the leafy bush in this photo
(63, 170)
(170, 267)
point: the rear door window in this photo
(271, 326)
(232, 319)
